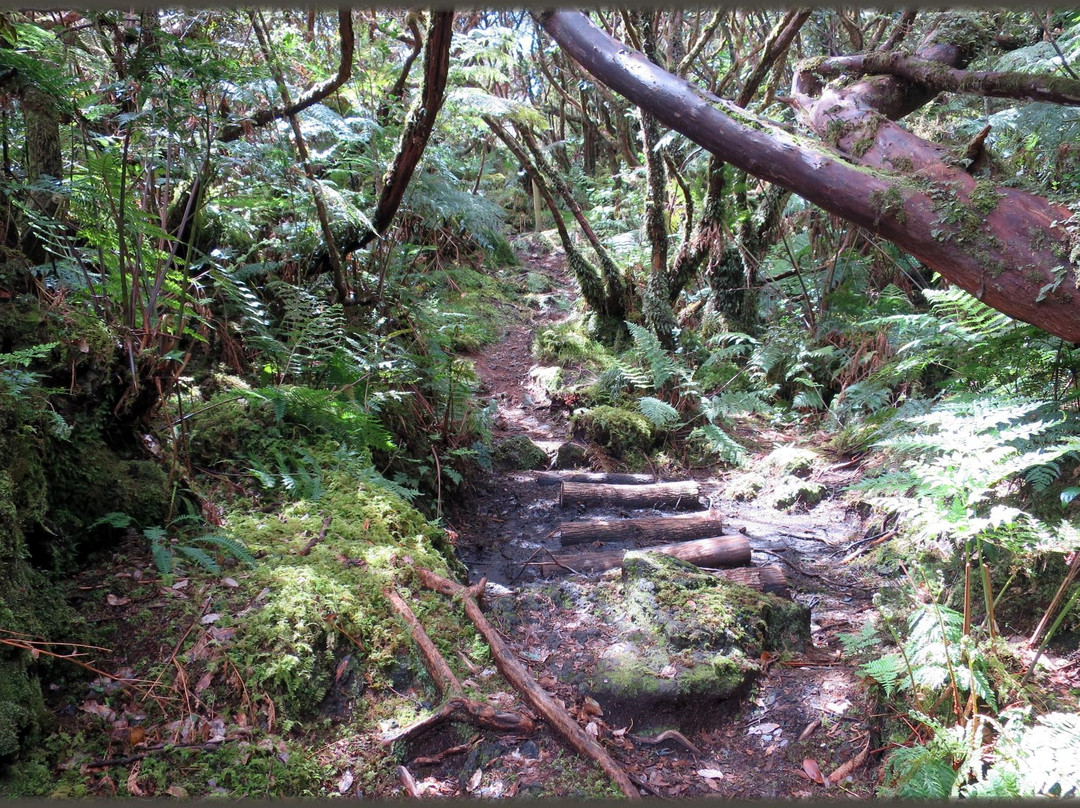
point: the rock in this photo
(791, 460)
(519, 453)
(792, 491)
(529, 750)
(745, 487)
(571, 456)
(687, 643)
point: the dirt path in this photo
(805, 713)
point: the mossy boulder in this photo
(792, 460)
(688, 643)
(619, 431)
(519, 453)
(791, 492)
(571, 455)
(745, 487)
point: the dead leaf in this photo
(92, 707)
(592, 707)
(710, 774)
(136, 735)
(346, 781)
(230, 582)
(592, 730)
(179, 792)
(341, 668)
(181, 584)
(222, 634)
(207, 619)
(810, 728)
(667, 672)
(813, 770)
(112, 600)
(204, 682)
(474, 781)
(133, 781)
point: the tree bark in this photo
(556, 477)
(1011, 249)
(721, 551)
(941, 78)
(681, 527)
(655, 495)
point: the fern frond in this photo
(659, 413)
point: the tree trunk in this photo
(656, 495)
(556, 477)
(1011, 249)
(723, 551)
(682, 527)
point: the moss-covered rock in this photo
(792, 491)
(519, 453)
(745, 487)
(571, 455)
(619, 431)
(792, 460)
(688, 642)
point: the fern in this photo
(658, 413)
(653, 358)
(888, 671)
(718, 442)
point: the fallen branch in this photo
(723, 551)
(457, 707)
(156, 750)
(556, 477)
(668, 528)
(847, 768)
(520, 678)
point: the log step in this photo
(653, 495)
(556, 477)
(654, 529)
(722, 551)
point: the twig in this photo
(322, 535)
(431, 760)
(209, 746)
(847, 768)
(664, 737)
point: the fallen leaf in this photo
(710, 774)
(474, 781)
(346, 781)
(181, 584)
(592, 707)
(222, 634)
(810, 728)
(112, 600)
(592, 730)
(177, 791)
(667, 672)
(136, 735)
(231, 582)
(204, 682)
(813, 770)
(341, 668)
(207, 619)
(133, 781)
(92, 707)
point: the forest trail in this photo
(808, 714)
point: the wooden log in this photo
(556, 477)
(680, 527)
(519, 677)
(770, 579)
(653, 495)
(722, 551)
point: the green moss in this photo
(745, 487)
(518, 452)
(792, 491)
(619, 431)
(312, 608)
(984, 197)
(793, 460)
(888, 202)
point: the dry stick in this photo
(520, 678)
(322, 535)
(457, 707)
(156, 750)
(847, 768)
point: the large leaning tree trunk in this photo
(1013, 250)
